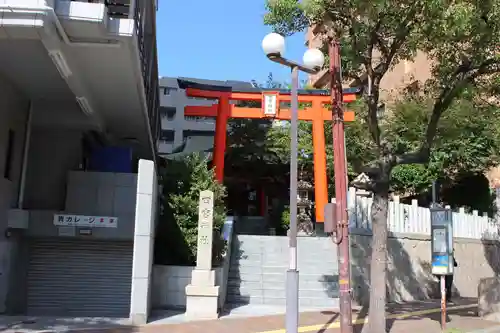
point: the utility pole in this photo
(341, 218)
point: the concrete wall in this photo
(409, 267)
(13, 114)
(18, 255)
(52, 153)
(97, 194)
(169, 285)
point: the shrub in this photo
(177, 232)
(285, 218)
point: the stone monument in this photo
(202, 294)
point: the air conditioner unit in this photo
(61, 63)
(85, 106)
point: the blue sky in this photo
(218, 39)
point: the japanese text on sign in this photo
(270, 105)
(66, 220)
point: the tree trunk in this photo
(378, 269)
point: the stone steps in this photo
(240, 271)
(303, 302)
(258, 268)
(269, 284)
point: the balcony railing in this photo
(199, 119)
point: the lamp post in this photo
(273, 45)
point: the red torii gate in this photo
(317, 113)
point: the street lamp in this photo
(274, 47)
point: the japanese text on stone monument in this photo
(205, 232)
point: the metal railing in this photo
(199, 119)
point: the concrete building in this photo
(79, 108)
(401, 76)
(190, 134)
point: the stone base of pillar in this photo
(202, 302)
(138, 319)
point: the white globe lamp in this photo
(273, 45)
(314, 59)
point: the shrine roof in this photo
(246, 87)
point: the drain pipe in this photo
(50, 11)
(24, 165)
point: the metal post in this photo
(292, 274)
(443, 303)
(340, 190)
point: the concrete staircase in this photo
(258, 271)
(251, 225)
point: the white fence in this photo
(404, 218)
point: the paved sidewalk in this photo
(402, 318)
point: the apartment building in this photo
(79, 108)
(185, 134)
(396, 80)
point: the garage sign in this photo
(71, 220)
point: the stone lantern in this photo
(304, 205)
(359, 181)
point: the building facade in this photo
(400, 77)
(186, 133)
(176, 129)
(79, 109)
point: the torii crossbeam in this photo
(224, 108)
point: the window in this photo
(167, 136)
(210, 120)
(191, 133)
(168, 112)
(7, 171)
(168, 91)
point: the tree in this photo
(461, 37)
(464, 145)
(247, 149)
(248, 156)
(177, 232)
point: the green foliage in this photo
(464, 144)
(462, 40)
(459, 195)
(285, 218)
(182, 181)
(398, 29)
(249, 154)
(278, 142)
